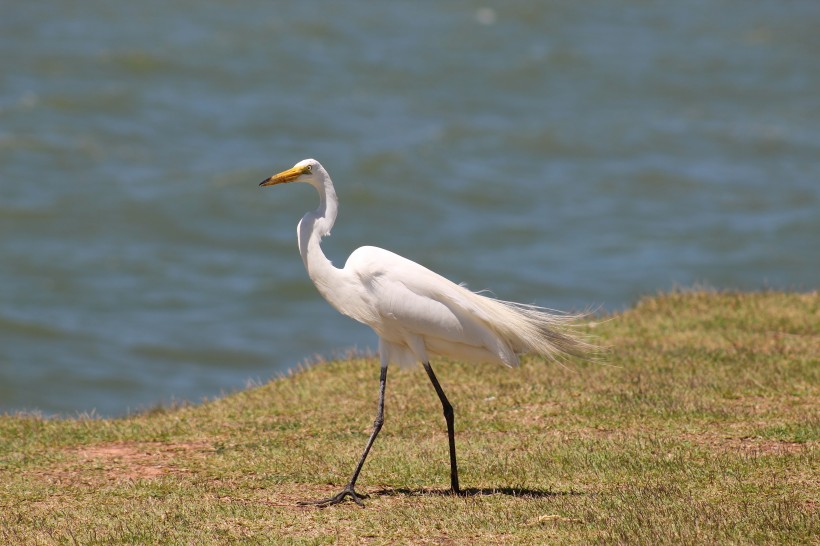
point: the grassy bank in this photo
(701, 427)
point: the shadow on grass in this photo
(475, 492)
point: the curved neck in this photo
(313, 226)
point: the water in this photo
(570, 154)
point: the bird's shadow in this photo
(473, 492)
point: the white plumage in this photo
(416, 312)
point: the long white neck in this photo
(313, 226)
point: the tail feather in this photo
(545, 332)
(529, 328)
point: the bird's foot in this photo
(337, 498)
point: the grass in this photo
(700, 427)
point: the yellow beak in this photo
(285, 176)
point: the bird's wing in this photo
(412, 302)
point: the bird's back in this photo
(413, 308)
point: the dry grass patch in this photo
(136, 460)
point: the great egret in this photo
(416, 312)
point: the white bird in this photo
(418, 313)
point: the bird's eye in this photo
(307, 169)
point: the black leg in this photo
(377, 426)
(448, 416)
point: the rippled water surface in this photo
(570, 154)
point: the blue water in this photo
(569, 154)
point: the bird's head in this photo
(307, 170)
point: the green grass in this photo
(700, 426)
